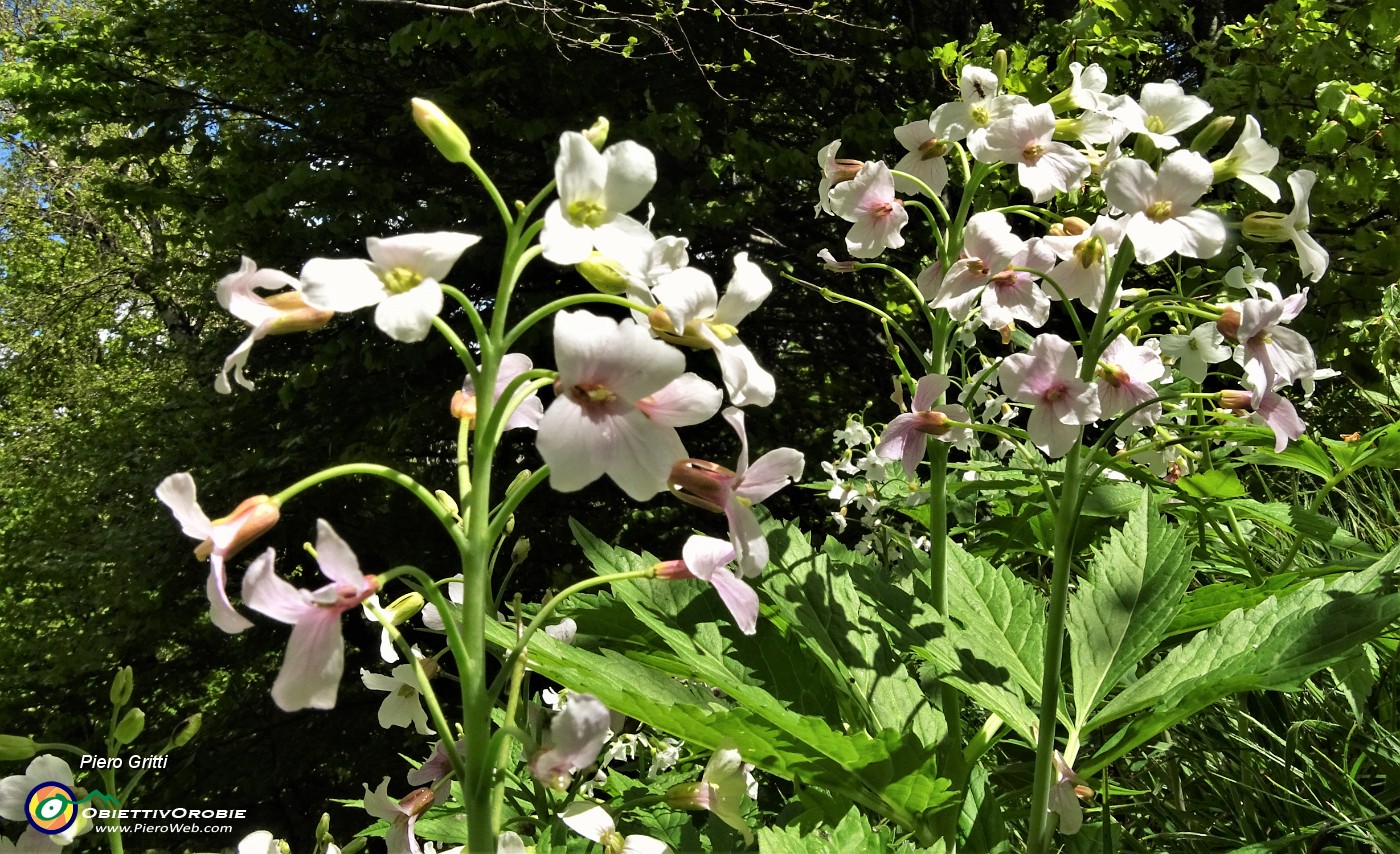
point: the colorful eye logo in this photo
(51, 808)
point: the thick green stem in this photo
(1050, 682)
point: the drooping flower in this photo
(725, 789)
(596, 190)
(708, 559)
(1250, 160)
(401, 815)
(1270, 353)
(1164, 110)
(1043, 166)
(1268, 409)
(219, 539)
(528, 411)
(576, 736)
(404, 704)
(1161, 216)
(924, 159)
(1196, 351)
(15, 793)
(621, 394)
(278, 314)
(1048, 377)
(1278, 228)
(1124, 378)
(904, 440)
(692, 313)
(868, 200)
(733, 493)
(1065, 795)
(593, 822)
(400, 278)
(835, 170)
(315, 659)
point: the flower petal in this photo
(408, 316)
(431, 255)
(315, 660)
(341, 284)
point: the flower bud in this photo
(999, 68)
(186, 730)
(1074, 225)
(1267, 227)
(605, 274)
(700, 483)
(403, 608)
(463, 407)
(1211, 133)
(444, 133)
(121, 687)
(284, 847)
(249, 520)
(323, 827)
(520, 551)
(1133, 333)
(132, 723)
(1237, 399)
(1229, 323)
(16, 748)
(598, 134)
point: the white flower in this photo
(1083, 270)
(1164, 110)
(1023, 138)
(593, 822)
(404, 704)
(868, 200)
(980, 106)
(401, 279)
(1161, 219)
(1248, 277)
(1277, 228)
(596, 190)
(1250, 160)
(1197, 351)
(15, 792)
(924, 160)
(278, 314)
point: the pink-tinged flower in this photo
(593, 822)
(621, 394)
(725, 789)
(1270, 353)
(1250, 160)
(576, 736)
(1048, 377)
(984, 272)
(437, 766)
(1268, 409)
(829, 261)
(868, 200)
(1043, 166)
(692, 313)
(400, 278)
(528, 411)
(401, 815)
(315, 659)
(708, 559)
(981, 105)
(835, 170)
(924, 160)
(1277, 228)
(1084, 261)
(1161, 219)
(15, 791)
(1065, 795)
(596, 190)
(1197, 351)
(1165, 110)
(904, 439)
(733, 493)
(219, 539)
(278, 314)
(1125, 376)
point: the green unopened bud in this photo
(355, 846)
(520, 551)
(598, 134)
(16, 748)
(447, 501)
(403, 608)
(186, 730)
(323, 827)
(283, 847)
(999, 68)
(132, 723)
(1211, 133)
(1133, 333)
(444, 133)
(605, 274)
(519, 481)
(510, 524)
(122, 684)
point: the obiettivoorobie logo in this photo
(52, 807)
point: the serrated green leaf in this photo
(1208, 605)
(1212, 483)
(1127, 597)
